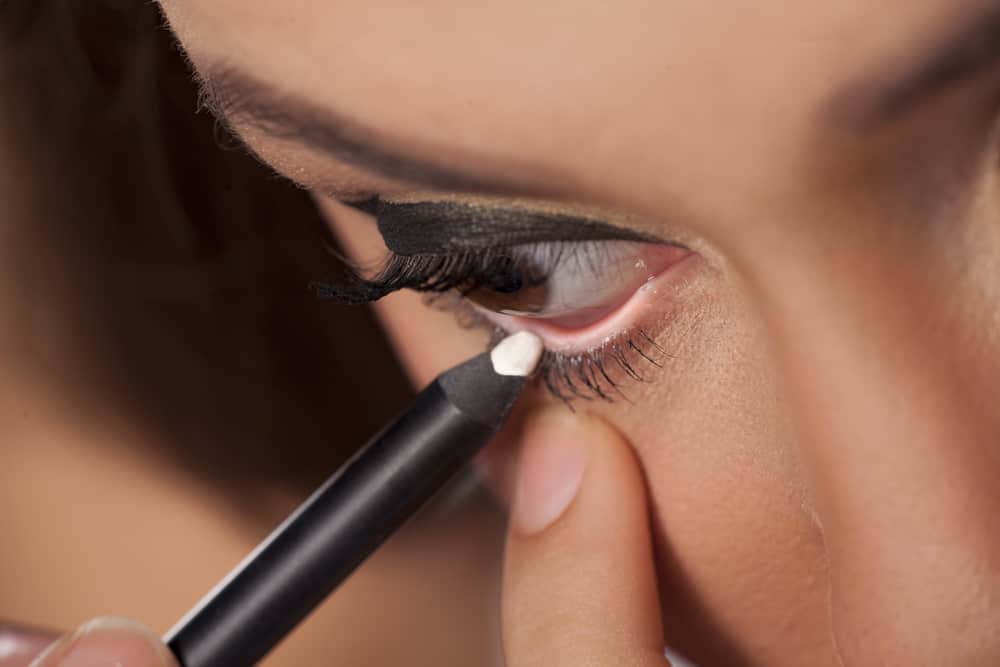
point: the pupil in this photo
(506, 283)
(507, 278)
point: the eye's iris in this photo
(507, 278)
(572, 287)
(507, 285)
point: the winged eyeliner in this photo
(440, 227)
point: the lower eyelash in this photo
(586, 375)
(590, 374)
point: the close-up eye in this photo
(568, 289)
(590, 301)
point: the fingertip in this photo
(105, 641)
(551, 468)
(20, 645)
(580, 580)
(584, 425)
(555, 441)
(556, 444)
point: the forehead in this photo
(662, 96)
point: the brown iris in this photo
(517, 286)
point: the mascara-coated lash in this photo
(594, 373)
(493, 268)
(500, 269)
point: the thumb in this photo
(579, 581)
(108, 641)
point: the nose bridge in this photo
(871, 335)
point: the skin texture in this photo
(820, 451)
(168, 390)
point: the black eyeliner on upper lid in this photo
(442, 227)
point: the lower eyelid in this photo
(602, 361)
(586, 288)
(604, 371)
(624, 319)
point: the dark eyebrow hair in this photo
(967, 49)
(236, 97)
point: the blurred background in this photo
(169, 388)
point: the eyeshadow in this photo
(441, 227)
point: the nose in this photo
(890, 355)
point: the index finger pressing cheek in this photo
(579, 580)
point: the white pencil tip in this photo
(517, 354)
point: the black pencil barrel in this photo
(339, 526)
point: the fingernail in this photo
(107, 641)
(553, 461)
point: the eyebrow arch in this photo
(965, 51)
(237, 98)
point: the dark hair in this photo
(172, 268)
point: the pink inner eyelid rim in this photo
(614, 324)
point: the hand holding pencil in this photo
(578, 484)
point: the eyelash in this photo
(463, 271)
(586, 375)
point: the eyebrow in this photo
(236, 97)
(967, 49)
(440, 227)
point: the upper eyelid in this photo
(440, 227)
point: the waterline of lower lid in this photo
(617, 324)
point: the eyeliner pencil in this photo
(356, 510)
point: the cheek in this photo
(737, 550)
(426, 340)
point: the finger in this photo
(19, 645)
(579, 580)
(108, 641)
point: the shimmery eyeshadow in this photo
(439, 227)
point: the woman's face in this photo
(816, 417)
